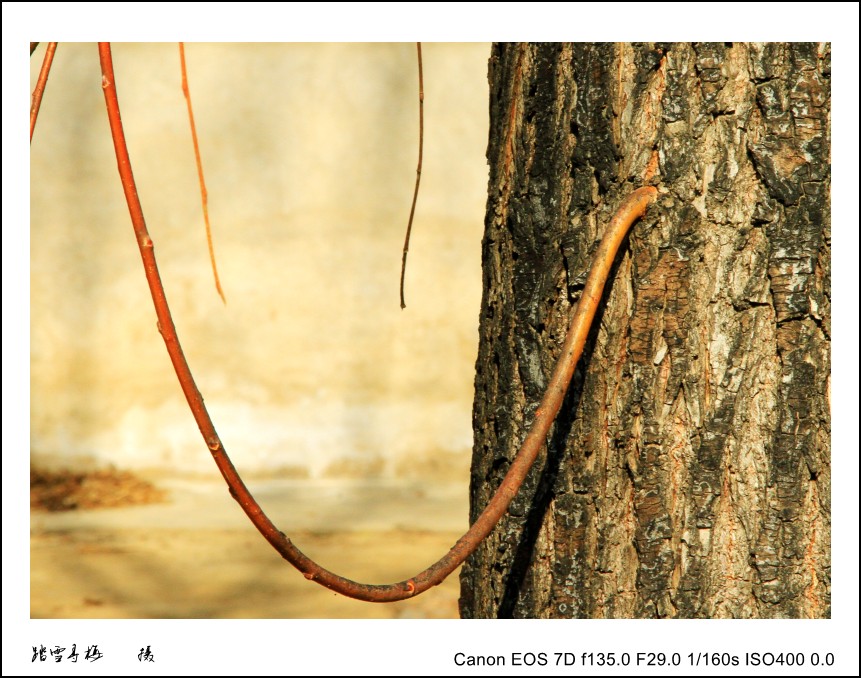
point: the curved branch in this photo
(630, 210)
(40, 83)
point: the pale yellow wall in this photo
(310, 153)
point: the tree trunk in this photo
(688, 473)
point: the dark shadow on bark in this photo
(538, 509)
(555, 455)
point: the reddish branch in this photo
(40, 83)
(203, 194)
(418, 173)
(631, 209)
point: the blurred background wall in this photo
(311, 369)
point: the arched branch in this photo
(630, 210)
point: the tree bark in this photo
(688, 473)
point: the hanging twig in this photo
(203, 194)
(631, 209)
(36, 101)
(418, 172)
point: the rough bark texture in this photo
(688, 474)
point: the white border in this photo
(419, 647)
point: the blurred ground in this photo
(196, 555)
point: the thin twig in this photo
(203, 194)
(631, 209)
(418, 172)
(40, 83)
(33, 46)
